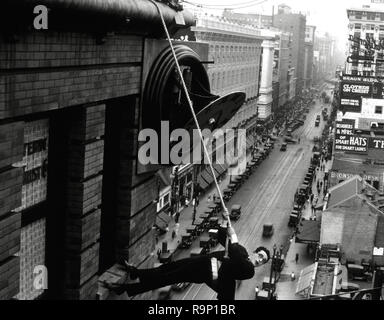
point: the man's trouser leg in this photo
(194, 270)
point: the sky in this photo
(327, 15)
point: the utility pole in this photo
(175, 193)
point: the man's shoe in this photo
(131, 271)
(117, 288)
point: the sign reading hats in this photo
(347, 140)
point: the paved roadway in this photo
(267, 196)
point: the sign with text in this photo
(347, 140)
(357, 86)
(351, 94)
(376, 143)
(35, 162)
(346, 176)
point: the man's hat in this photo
(263, 255)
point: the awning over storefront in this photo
(219, 169)
(308, 231)
(306, 280)
(163, 220)
(203, 184)
(207, 176)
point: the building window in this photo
(378, 109)
(358, 15)
(371, 15)
(166, 199)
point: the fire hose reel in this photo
(164, 98)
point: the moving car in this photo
(268, 230)
(283, 147)
(289, 140)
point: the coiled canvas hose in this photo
(158, 89)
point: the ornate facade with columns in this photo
(265, 96)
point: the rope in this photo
(226, 213)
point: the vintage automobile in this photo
(186, 241)
(288, 139)
(235, 212)
(283, 147)
(268, 230)
(227, 194)
(294, 218)
(358, 272)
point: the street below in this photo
(267, 197)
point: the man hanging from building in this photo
(215, 269)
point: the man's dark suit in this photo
(198, 270)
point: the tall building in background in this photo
(308, 61)
(281, 65)
(325, 46)
(242, 57)
(281, 68)
(365, 23)
(295, 23)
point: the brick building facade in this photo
(70, 98)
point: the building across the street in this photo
(281, 68)
(296, 24)
(350, 219)
(365, 24)
(308, 60)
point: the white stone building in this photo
(365, 22)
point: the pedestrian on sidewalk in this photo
(297, 258)
(257, 290)
(293, 276)
(176, 230)
(214, 197)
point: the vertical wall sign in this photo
(35, 163)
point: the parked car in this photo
(283, 147)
